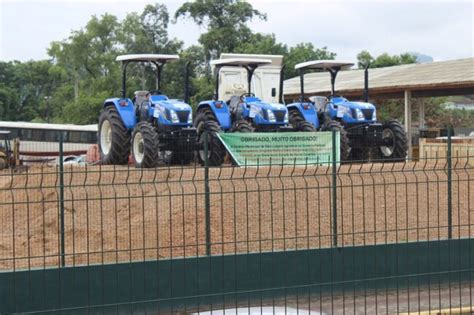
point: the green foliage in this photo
(225, 22)
(84, 110)
(383, 60)
(304, 52)
(82, 71)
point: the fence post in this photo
(334, 189)
(207, 193)
(61, 196)
(450, 188)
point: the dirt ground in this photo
(119, 214)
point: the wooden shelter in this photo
(444, 78)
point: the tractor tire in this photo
(399, 150)
(3, 162)
(145, 145)
(114, 139)
(344, 139)
(243, 126)
(299, 123)
(206, 122)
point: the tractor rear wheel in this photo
(299, 123)
(344, 139)
(398, 150)
(206, 123)
(145, 145)
(114, 139)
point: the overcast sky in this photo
(443, 30)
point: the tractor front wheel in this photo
(206, 124)
(344, 139)
(145, 145)
(114, 139)
(299, 123)
(242, 126)
(398, 149)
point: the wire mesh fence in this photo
(354, 238)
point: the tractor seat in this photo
(234, 103)
(319, 102)
(140, 97)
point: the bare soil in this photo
(120, 214)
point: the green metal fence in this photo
(337, 239)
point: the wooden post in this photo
(408, 121)
(421, 113)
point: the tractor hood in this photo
(258, 103)
(352, 112)
(175, 105)
(344, 102)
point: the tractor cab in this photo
(152, 126)
(245, 105)
(366, 137)
(154, 103)
(335, 106)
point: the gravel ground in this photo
(122, 214)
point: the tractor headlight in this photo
(271, 116)
(190, 118)
(174, 117)
(359, 114)
(342, 110)
(285, 119)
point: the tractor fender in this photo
(220, 110)
(126, 110)
(307, 111)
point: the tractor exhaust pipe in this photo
(366, 83)
(280, 91)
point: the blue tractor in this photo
(240, 113)
(360, 131)
(153, 127)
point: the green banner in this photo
(287, 148)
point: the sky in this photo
(443, 30)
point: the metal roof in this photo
(240, 62)
(147, 57)
(453, 77)
(277, 60)
(324, 64)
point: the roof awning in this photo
(240, 62)
(324, 64)
(147, 57)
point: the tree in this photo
(383, 60)
(304, 52)
(259, 43)
(225, 22)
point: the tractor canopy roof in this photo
(324, 65)
(241, 62)
(147, 57)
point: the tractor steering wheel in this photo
(156, 92)
(243, 96)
